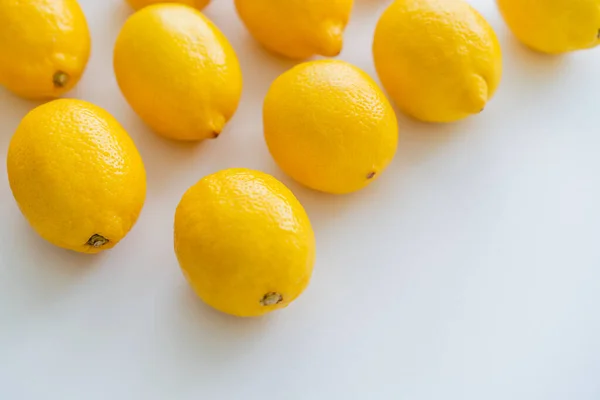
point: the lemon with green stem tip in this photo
(244, 242)
(76, 175)
(45, 47)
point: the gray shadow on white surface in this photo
(12, 111)
(191, 335)
(422, 140)
(163, 158)
(534, 66)
(44, 274)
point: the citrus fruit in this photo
(76, 175)
(439, 60)
(554, 26)
(328, 125)
(297, 29)
(199, 4)
(45, 46)
(178, 72)
(244, 242)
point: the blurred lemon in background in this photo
(297, 29)
(438, 59)
(199, 4)
(554, 26)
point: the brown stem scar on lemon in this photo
(60, 79)
(215, 134)
(97, 241)
(271, 298)
(370, 175)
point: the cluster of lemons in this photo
(242, 239)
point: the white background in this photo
(469, 271)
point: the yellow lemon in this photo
(199, 4)
(244, 242)
(438, 59)
(297, 28)
(554, 26)
(44, 46)
(76, 175)
(329, 126)
(178, 72)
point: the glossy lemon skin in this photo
(199, 4)
(297, 29)
(76, 175)
(244, 242)
(554, 26)
(44, 47)
(439, 60)
(328, 125)
(178, 72)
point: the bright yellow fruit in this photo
(329, 126)
(76, 175)
(178, 72)
(438, 59)
(297, 29)
(554, 26)
(199, 4)
(244, 242)
(44, 46)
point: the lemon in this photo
(199, 4)
(178, 72)
(244, 242)
(328, 125)
(76, 175)
(297, 29)
(554, 26)
(438, 59)
(45, 46)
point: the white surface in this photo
(469, 271)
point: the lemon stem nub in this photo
(271, 298)
(97, 241)
(60, 79)
(370, 175)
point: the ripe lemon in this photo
(199, 4)
(438, 59)
(329, 126)
(178, 72)
(244, 242)
(76, 175)
(554, 26)
(297, 29)
(44, 46)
